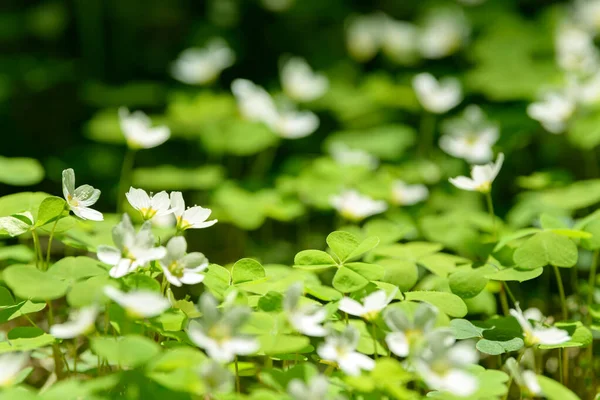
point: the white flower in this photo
(139, 303)
(255, 104)
(300, 82)
(587, 12)
(531, 383)
(80, 199)
(197, 66)
(526, 379)
(404, 194)
(341, 348)
(470, 137)
(10, 366)
(371, 307)
(482, 177)
(409, 334)
(307, 319)
(553, 111)
(315, 389)
(344, 155)
(216, 377)
(575, 49)
(133, 250)
(437, 97)
(80, 323)
(138, 130)
(355, 206)
(539, 334)
(149, 206)
(400, 41)
(587, 90)
(456, 381)
(217, 332)
(181, 268)
(443, 33)
(192, 217)
(363, 36)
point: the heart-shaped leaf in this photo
(27, 282)
(546, 248)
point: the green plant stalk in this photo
(124, 180)
(510, 379)
(592, 282)
(48, 251)
(509, 292)
(37, 248)
(504, 301)
(490, 207)
(561, 292)
(561, 368)
(56, 353)
(238, 386)
(374, 336)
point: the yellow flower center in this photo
(148, 213)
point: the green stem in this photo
(39, 259)
(48, 251)
(592, 281)
(374, 335)
(490, 206)
(510, 380)
(561, 369)
(238, 386)
(56, 354)
(504, 301)
(509, 292)
(561, 292)
(427, 132)
(124, 180)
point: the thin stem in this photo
(426, 132)
(504, 301)
(124, 180)
(374, 336)
(56, 353)
(592, 281)
(39, 259)
(48, 251)
(238, 386)
(561, 292)
(490, 206)
(509, 292)
(510, 379)
(560, 366)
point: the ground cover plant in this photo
(300, 200)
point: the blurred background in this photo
(67, 66)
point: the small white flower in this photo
(404, 194)
(553, 111)
(372, 305)
(400, 41)
(482, 177)
(306, 320)
(216, 377)
(192, 217)
(443, 33)
(575, 49)
(531, 383)
(197, 66)
(10, 366)
(217, 332)
(341, 348)
(364, 35)
(587, 12)
(138, 130)
(133, 251)
(526, 379)
(315, 389)
(456, 381)
(355, 206)
(470, 137)
(256, 104)
(149, 205)
(300, 82)
(80, 199)
(80, 323)
(344, 155)
(139, 303)
(407, 334)
(437, 96)
(539, 334)
(181, 268)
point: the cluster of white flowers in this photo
(198, 66)
(442, 33)
(355, 206)
(435, 96)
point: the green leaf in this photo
(449, 303)
(401, 273)
(25, 339)
(247, 270)
(581, 336)
(19, 252)
(90, 291)
(515, 274)
(72, 269)
(313, 260)
(129, 351)
(495, 347)
(24, 307)
(468, 283)
(141, 282)
(342, 243)
(554, 390)
(371, 272)
(27, 282)
(284, 344)
(546, 248)
(20, 171)
(21, 202)
(506, 239)
(464, 329)
(16, 224)
(348, 281)
(272, 301)
(50, 209)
